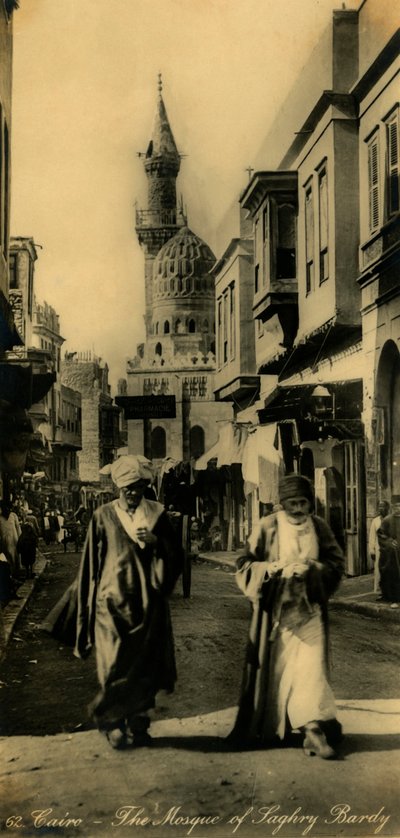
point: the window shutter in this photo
(393, 163)
(373, 184)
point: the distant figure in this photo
(26, 546)
(7, 587)
(373, 542)
(7, 592)
(10, 531)
(389, 554)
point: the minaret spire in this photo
(162, 146)
(162, 219)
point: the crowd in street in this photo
(118, 605)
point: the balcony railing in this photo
(155, 218)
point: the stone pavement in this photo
(354, 594)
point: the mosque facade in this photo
(177, 358)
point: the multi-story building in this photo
(55, 442)
(324, 300)
(177, 358)
(20, 384)
(84, 372)
(377, 93)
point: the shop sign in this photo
(147, 407)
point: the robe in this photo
(285, 681)
(119, 605)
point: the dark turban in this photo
(295, 486)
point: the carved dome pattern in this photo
(182, 266)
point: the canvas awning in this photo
(229, 448)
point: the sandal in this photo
(117, 738)
(315, 743)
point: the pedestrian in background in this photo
(10, 531)
(292, 566)
(26, 546)
(389, 554)
(373, 542)
(130, 563)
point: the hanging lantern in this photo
(322, 402)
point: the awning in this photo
(16, 383)
(20, 386)
(321, 343)
(295, 402)
(211, 454)
(228, 449)
(41, 384)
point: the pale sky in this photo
(84, 97)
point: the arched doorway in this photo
(387, 415)
(196, 442)
(158, 443)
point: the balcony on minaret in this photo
(151, 219)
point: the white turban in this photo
(129, 469)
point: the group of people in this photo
(118, 605)
(19, 537)
(384, 550)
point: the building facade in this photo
(177, 358)
(20, 383)
(85, 373)
(325, 279)
(55, 414)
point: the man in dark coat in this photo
(292, 566)
(389, 554)
(130, 563)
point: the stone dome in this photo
(184, 255)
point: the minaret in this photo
(161, 220)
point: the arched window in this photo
(158, 349)
(196, 441)
(205, 325)
(166, 327)
(156, 329)
(177, 326)
(158, 443)
(192, 325)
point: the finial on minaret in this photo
(160, 83)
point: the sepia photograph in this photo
(200, 418)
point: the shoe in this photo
(116, 738)
(315, 744)
(141, 739)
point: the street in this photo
(55, 763)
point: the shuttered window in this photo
(373, 183)
(392, 129)
(323, 226)
(309, 219)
